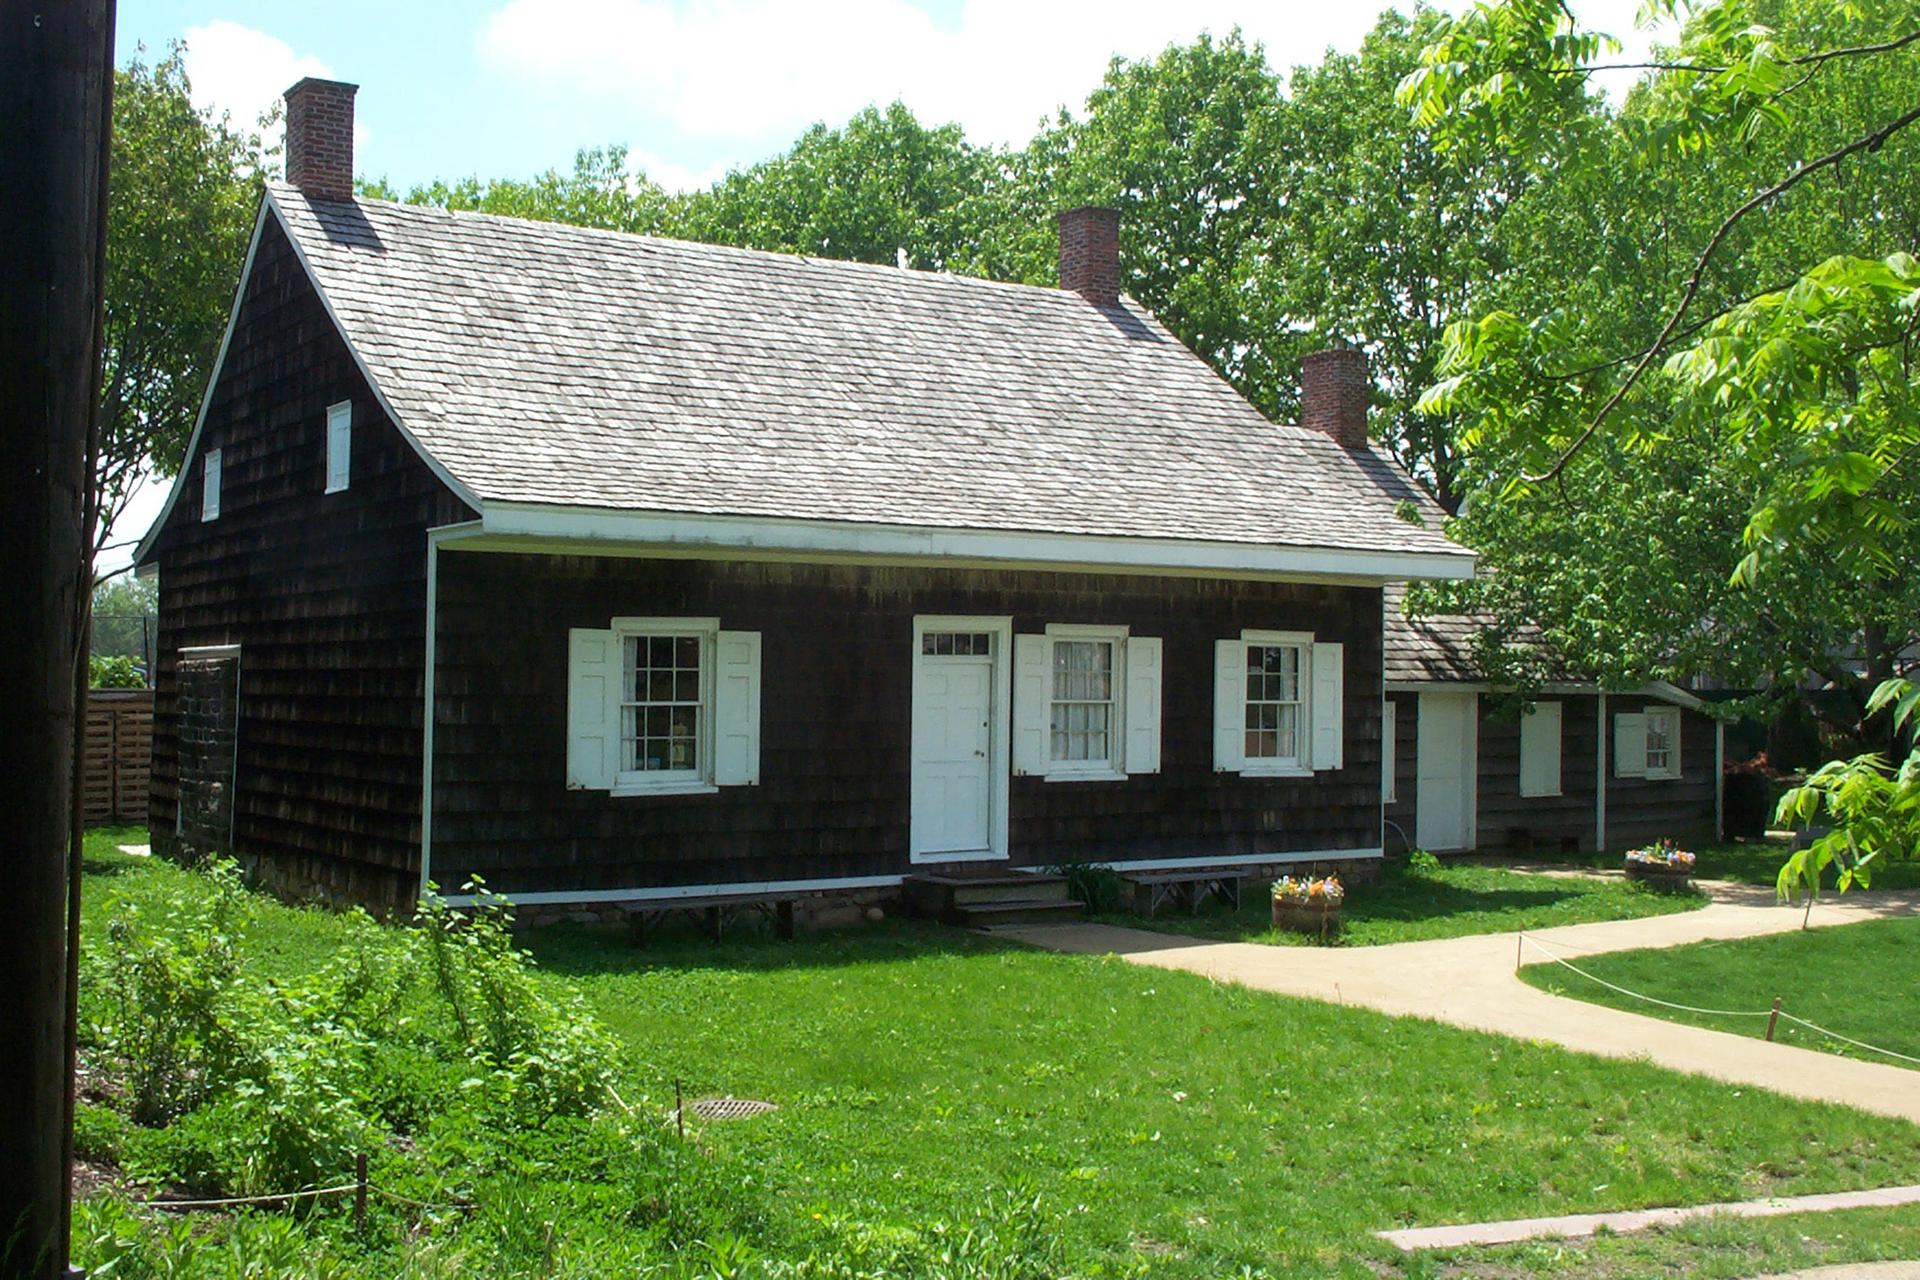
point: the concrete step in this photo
(1017, 911)
(939, 895)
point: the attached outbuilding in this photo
(611, 569)
(1577, 768)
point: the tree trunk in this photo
(55, 98)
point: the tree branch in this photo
(1866, 142)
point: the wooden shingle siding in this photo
(1404, 811)
(1644, 809)
(836, 710)
(1511, 820)
(324, 593)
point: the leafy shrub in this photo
(99, 1133)
(1423, 862)
(1094, 883)
(115, 673)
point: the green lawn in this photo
(1171, 1126)
(1854, 979)
(1759, 863)
(1411, 905)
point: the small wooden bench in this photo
(1152, 890)
(712, 912)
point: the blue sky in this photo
(512, 87)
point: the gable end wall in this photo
(324, 593)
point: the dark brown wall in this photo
(1638, 809)
(1641, 809)
(324, 593)
(836, 719)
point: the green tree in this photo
(183, 193)
(1779, 352)
(601, 191)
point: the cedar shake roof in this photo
(1438, 646)
(542, 363)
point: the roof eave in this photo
(613, 531)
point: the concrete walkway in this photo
(1470, 982)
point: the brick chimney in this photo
(1090, 253)
(1333, 394)
(320, 138)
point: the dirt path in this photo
(1470, 982)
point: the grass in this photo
(1759, 862)
(1407, 904)
(1172, 1126)
(1850, 978)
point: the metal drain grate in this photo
(730, 1108)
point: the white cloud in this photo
(242, 72)
(733, 74)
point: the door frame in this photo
(1000, 734)
(1470, 775)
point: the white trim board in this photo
(673, 893)
(436, 538)
(707, 536)
(1660, 690)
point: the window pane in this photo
(686, 686)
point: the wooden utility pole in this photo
(56, 84)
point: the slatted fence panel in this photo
(113, 787)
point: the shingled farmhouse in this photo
(614, 569)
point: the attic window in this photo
(210, 486)
(339, 445)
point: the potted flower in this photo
(1663, 864)
(1306, 904)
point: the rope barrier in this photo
(1859, 1044)
(1717, 1013)
(287, 1197)
(1684, 1008)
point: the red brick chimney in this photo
(1090, 253)
(1333, 394)
(320, 138)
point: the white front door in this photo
(957, 765)
(1443, 812)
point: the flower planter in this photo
(1320, 919)
(1671, 878)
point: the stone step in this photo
(939, 895)
(1018, 911)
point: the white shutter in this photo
(1329, 705)
(1229, 705)
(1143, 705)
(736, 709)
(593, 708)
(339, 445)
(1540, 750)
(210, 486)
(1629, 745)
(1032, 704)
(1389, 748)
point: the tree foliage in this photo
(183, 191)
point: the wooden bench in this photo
(1152, 890)
(712, 912)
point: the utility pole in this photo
(56, 86)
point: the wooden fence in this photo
(113, 788)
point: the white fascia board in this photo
(721, 536)
(1658, 689)
(142, 554)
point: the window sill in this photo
(687, 787)
(1275, 771)
(1542, 795)
(1085, 775)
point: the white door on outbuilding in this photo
(1447, 745)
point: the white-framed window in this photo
(1663, 742)
(339, 445)
(1278, 704)
(1086, 703)
(1389, 751)
(662, 705)
(210, 486)
(1540, 750)
(1646, 744)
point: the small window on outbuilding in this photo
(339, 445)
(210, 486)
